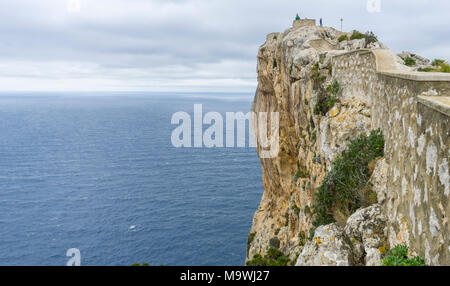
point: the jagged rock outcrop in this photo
(419, 61)
(366, 229)
(295, 69)
(329, 247)
(361, 242)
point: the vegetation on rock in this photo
(343, 38)
(410, 62)
(357, 35)
(398, 256)
(274, 242)
(345, 187)
(250, 238)
(273, 257)
(326, 98)
(369, 36)
(438, 65)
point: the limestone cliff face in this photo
(294, 68)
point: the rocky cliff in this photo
(329, 91)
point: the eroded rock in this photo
(329, 247)
(366, 230)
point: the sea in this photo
(97, 172)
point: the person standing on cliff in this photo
(297, 17)
(321, 23)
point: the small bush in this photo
(250, 239)
(274, 65)
(334, 87)
(324, 104)
(339, 194)
(301, 238)
(356, 35)
(398, 256)
(317, 77)
(427, 69)
(311, 233)
(326, 98)
(445, 68)
(410, 62)
(273, 257)
(437, 62)
(343, 38)
(274, 242)
(137, 264)
(370, 37)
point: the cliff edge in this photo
(333, 93)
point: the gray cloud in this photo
(183, 45)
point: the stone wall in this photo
(412, 111)
(304, 23)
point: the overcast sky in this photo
(183, 45)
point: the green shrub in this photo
(324, 104)
(274, 242)
(334, 87)
(343, 38)
(356, 35)
(340, 191)
(301, 238)
(398, 256)
(137, 264)
(306, 101)
(437, 62)
(273, 257)
(445, 68)
(317, 77)
(427, 69)
(274, 65)
(370, 37)
(410, 62)
(311, 233)
(326, 98)
(250, 239)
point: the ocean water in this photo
(98, 172)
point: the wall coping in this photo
(438, 103)
(386, 65)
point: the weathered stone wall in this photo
(417, 147)
(304, 23)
